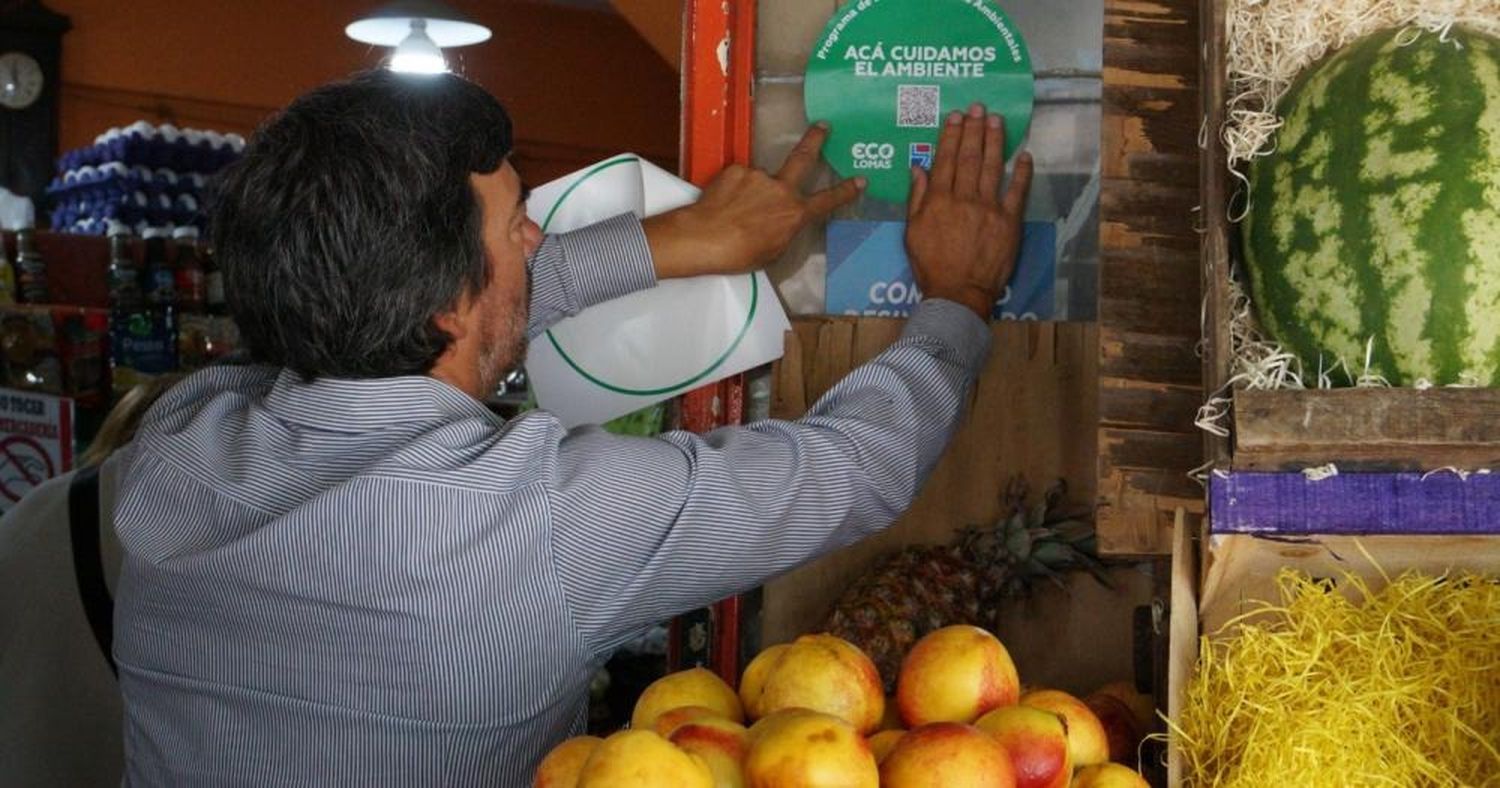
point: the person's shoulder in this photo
(50, 490)
(43, 507)
(220, 378)
(194, 392)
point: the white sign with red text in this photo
(36, 441)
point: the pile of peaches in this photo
(818, 716)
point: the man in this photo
(342, 569)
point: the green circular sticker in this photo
(886, 73)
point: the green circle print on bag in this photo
(886, 72)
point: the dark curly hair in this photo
(350, 223)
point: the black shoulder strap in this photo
(88, 565)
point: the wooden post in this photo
(718, 72)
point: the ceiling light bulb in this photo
(417, 54)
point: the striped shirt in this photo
(378, 582)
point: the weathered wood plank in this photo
(1150, 275)
(1149, 450)
(1215, 218)
(1136, 356)
(1143, 213)
(1132, 405)
(1388, 429)
(1183, 635)
(1135, 510)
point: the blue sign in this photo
(870, 275)
(921, 154)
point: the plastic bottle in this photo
(192, 293)
(124, 277)
(31, 269)
(213, 284)
(161, 279)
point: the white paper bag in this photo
(634, 351)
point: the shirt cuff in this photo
(608, 260)
(956, 328)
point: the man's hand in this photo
(745, 218)
(961, 235)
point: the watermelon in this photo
(1376, 219)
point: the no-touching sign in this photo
(36, 441)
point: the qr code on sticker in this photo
(917, 106)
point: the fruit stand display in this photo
(910, 691)
(1334, 619)
(818, 714)
(990, 580)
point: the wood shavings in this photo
(1321, 472)
(1396, 687)
(1269, 42)
(1462, 473)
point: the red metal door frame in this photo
(718, 79)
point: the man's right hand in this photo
(961, 235)
(746, 218)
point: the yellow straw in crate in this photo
(1396, 687)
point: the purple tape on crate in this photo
(1441, 502)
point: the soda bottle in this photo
(124, 277)
(161, 280)
(31, 269)
(191, 285)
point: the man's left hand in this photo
(746, 218)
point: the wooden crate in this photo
(1376, 433)
(1368, 429)
(1212, 585)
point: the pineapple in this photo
(920, 589)
(915, 591)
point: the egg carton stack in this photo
(142, 176)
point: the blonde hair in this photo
(119, 426)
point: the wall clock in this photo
(30, 65)
(21, 80)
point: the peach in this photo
(1108, 775)
(818, 672)
(642, 759)
(800, 748)
(1086, 740)
(669, 720)
(883, 742)
(695, 687)
(947, 755)
(1037, 742)
(1119, 723)
(753, 680)
(720, 743)
(1142, 705)
(561, 766)
(955, 674)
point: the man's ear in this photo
(452, 322)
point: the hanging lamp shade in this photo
(391, 24)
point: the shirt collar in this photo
(363, 404)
